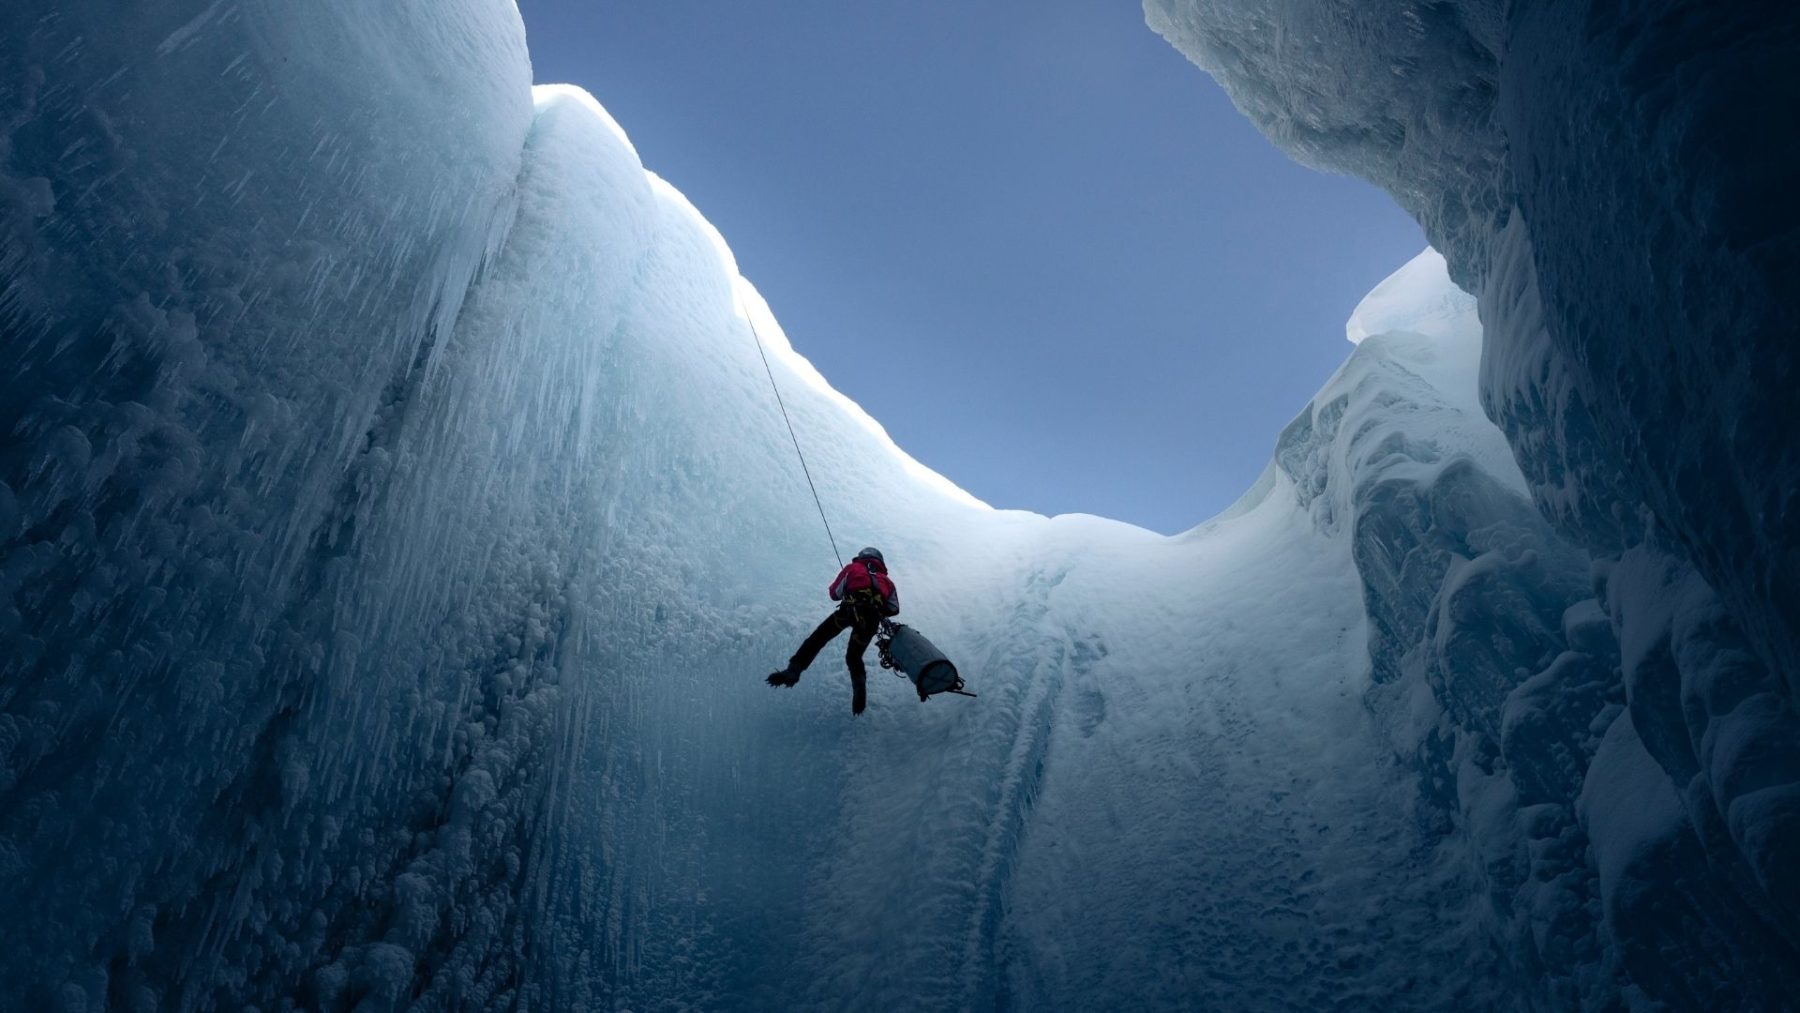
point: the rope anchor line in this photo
(790, 428)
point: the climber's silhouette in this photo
(865, 596)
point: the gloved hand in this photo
(783, 678)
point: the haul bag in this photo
(907, 650)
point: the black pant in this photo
(861, 621)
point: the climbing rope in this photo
(790, 428)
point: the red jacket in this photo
(864, 575)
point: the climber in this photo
(865, 596)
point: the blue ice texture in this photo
(396, 524)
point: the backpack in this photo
(866, 585)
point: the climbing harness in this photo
(790, 428)
(906, 651)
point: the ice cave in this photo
(363, 417)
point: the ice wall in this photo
(391, 485)
(1604, 175)
(397, 524)
(232, 237)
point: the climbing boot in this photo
(785, 677)
(859, 697)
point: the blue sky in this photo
(1030, 238)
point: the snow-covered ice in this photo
(398, 524)
(1415, 298)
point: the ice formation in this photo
(1413, 298)
(397, 524)
(1604, 176)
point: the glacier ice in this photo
(1413, 299)
(1603, 175)
(397, 523)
